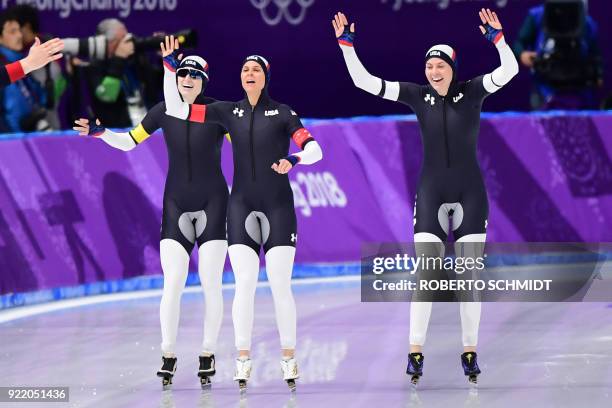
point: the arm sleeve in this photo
(121, 141)
(505, 72)
(128, 140)
(311, 151)
(10, 73)
(366, 81)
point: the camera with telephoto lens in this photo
(564, 64)
(94, 47)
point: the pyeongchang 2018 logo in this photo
(317, 190)
(274, 11)
(442, 4)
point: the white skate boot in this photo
(243, 372)
(290, 372)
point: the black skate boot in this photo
(470, 366)
(415, 367)
(167, 371)
(207, 370)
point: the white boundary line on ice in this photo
(29, 311)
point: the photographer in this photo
(23, 101)
(558, 42)
(124, 83)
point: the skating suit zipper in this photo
(445, 132)
(251, 141)
(189, 151)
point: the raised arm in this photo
(360, 76)
(174, 103)
(491, 28)
(175, 106)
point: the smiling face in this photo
(189, 87)
(253, 77)
(439, 74)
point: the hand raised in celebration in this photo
(169, 45)
(491, 27)
(344, 35)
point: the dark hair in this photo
(5, 17)
(27, 14)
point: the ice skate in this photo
(415, 367)
(243, 373)
(166, 372)
(206, 370)
(470, 366)
(290, 372)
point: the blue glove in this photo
(171, 61)
(492, 34)
(95, 130)
(347, 38)
(292, 159)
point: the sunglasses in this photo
(194, 74)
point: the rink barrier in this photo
(74, 212)
(148, 282)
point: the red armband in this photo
(301, 137)
(15, 71)
(197, 113)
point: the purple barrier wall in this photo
(73, 210)
(297, 38)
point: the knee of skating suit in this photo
(175, 265)
(210, 268)
(245, 264)
(471, 246)
(428, 245)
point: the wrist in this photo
(501, 41)
(26, 65)
(16, 70)
(171, 62)
(292, 159)
(347, 38)
(96, 130)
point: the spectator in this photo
(562, 53)
(50, 78)
(23, 101)
(117, 84)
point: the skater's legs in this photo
(420, 312)
(175, 264)
(245, 264)
(279, 266)
(210, 268)
(471, 246)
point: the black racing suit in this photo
(195, 194)
(450, 182)
(261, 210)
